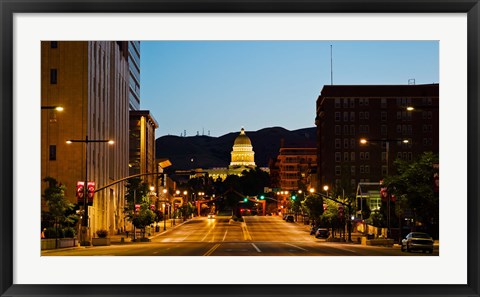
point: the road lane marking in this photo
(300, 248)
(213, 226)
(225, 235)
(246, 234)
(256, 247)
(210, 251)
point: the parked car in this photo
(322, 233)
(211, 215)
(417, 241)
(313, 230)
(289, 218)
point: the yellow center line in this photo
(210, 251)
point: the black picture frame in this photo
(10, 7)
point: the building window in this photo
(53, 152)
(399, 129)
(399, 155)
(352, 116)
(345, 130)
(345, 143)
(53, 44)
(362, 156)
(338, 130)
(383, 116)
(366, 101)
(345, 156)
(338, 157)
(352, 156)
(362, 169)
(53, 76)
(345, 116)
(337, 143)
(353, 183)
(384, 170)
(338, 170)
(352, 143)
(352, 130)
(410, 156)
(361, 115)
(383, 130)
(367, 114)
(383, 103)
(384, 156)
(352, 170)
(367, 156)
(345, 102)
(337, 116)
(360, 101)
(367, 169)
(337, 102)
(352, 102)
(399, 115)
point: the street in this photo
(256, 236)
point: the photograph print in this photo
(239, 148)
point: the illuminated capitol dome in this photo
(242, 153)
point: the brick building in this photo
(378, 113)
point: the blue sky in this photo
(221, 86)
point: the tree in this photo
(59, 208)
(413, 186)
(313, 206)
(143, 218)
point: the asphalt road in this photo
(256, 236)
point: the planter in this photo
(101, 241)
(49, 243)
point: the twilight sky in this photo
(221, 86)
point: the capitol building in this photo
(242, 158)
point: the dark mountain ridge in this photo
(208, 152)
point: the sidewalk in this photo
(356, 237)
(168, 225)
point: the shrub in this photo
(70, 232)
(102, 233)
(52, 232)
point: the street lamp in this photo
(325, 188)
(387, 152)
(57, 108)
(83, 239)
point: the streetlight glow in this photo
(111, 142)
(312, 190)
(363, 141)
(325, 188)
(410, 108)
(164, 191)
(68, 141)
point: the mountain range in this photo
(208, 152)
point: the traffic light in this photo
(340, 211)
(90, 191)
(262, 197)
(294, 197)
(245, 199)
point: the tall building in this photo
(378, 114)
(142, 145)
(294, 165)
(90, 80)
(134, 70)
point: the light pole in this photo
(84, 235)
(387, 153)
(165, 209)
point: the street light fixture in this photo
(83, 239)
(57, 108)
(387, 152)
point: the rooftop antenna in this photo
(411, 81)
(208, 132)
(203, 131)
(184, 133)
(331, 64)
